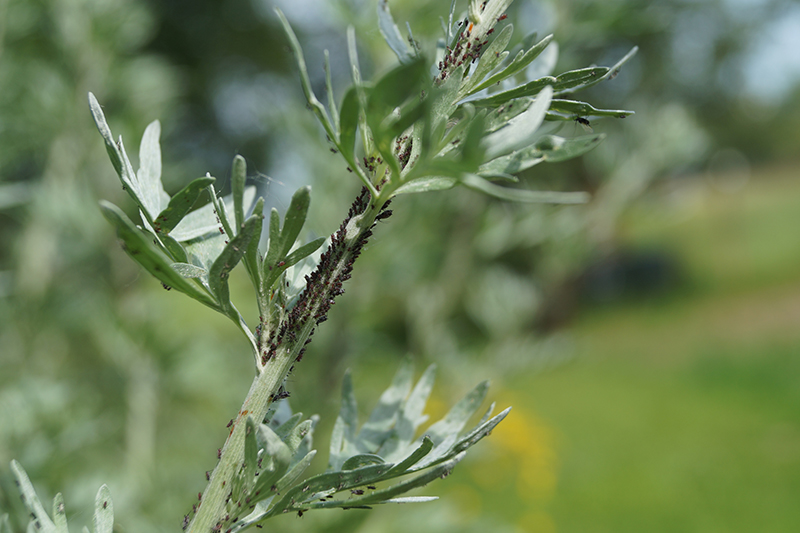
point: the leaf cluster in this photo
(412, 132)
(194, 251)
(364, 462)
(41, 521)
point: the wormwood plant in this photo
(473, 118)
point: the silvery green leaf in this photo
(579, 79)
(410, 418)
(490, 58)
(391, 33)
(582, 109)
(555, 149)
(238, 179)
(31, 500)
(59, 514)
(202, 222)
(329, 88)
(499, 117)
(152, 191)
(275, 459)
(364, 459)
(316, 105)
(521, 61)
(250, 454)
(139, 246)
(5, 526)
(294, 219)
(304, 251)
(204, 251)
(103, 511)
(545, 64)
(459, 414)
(349, 118)
(174, 249)
(343, 437)
(129, 180)
(532, 88)
(477, 183)
(190, 271)
(229, 257)
(427, 184)
(547, 148)
(180, 204)
(520, 130)
(381, 421)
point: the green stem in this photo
(212, 510)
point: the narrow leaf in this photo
(520, 62)
(331, 97)
(250, 454)
(231, 255)
(317, 107)
(30, 498)
(349, 117)
(5, 525)
(391, 33)
(477, 183)
(383, 417)
(580, 79)
(59, 514)
(416, 456)
(427, 184)
(103, 511)
(490, 58)
(152, 191)
(344, 429)
(548, 148)
(175, 249)
(180, 205)
(454, 421)
(294, 219)
(363, 459)
(303, 252)
(189, 271)
(238, 179)
(140, 247)
(582, 109)
(521, 129)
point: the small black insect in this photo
(585, 124)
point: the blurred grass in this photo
(680, 412)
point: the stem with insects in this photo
(283, 346)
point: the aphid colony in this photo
(323, 285)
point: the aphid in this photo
(219, 453)
(585, 124)
(300, 513)
(357, 492)
(371, 487)
(491, 31)
(208, 475)
(230, 423)
(502, 17)
(105, 505)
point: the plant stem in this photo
(283, 348)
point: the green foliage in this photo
(384, 449)
(407, 132)
(39, 519)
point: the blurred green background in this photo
(649, 341)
